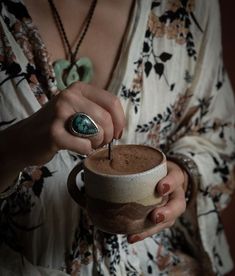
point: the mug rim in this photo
(162, 163)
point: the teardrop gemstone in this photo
(82, 125)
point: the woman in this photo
(155, 77)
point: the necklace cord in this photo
(59, 23)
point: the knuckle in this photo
(86, 147)
(105, 118)
(117, 106)
(59, 106)
(79, 88)
(96, 144)
(171, 223)
(64, 96)
(181, 201)
(69, 95)
(183, 206)
(97, 140)
(115, 103)
(167, 214)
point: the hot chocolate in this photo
(126, 159)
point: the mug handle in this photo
(73, 190)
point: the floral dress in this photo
(176, 96)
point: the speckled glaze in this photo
(111, 199)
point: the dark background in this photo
(228, 36)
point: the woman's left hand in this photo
(172, 185)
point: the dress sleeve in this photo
(206, 135)
(16, 103)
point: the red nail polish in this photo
(166, 188)
(134, 239)
(160, 217)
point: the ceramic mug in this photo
(119, 203)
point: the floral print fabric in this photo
(176, 96)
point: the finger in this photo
(67, 104)
(94, 142)
(143, 235)
(175, 178)
(98, 139)
(172, 210)
(164, 216)
(69, 142)
(109, 102)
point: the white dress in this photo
(176, 96)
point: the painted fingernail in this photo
(160, 217)
(134, 239)
(166, 188)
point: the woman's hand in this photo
(172, 185)
(35, 140)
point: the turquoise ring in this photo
(82, 125)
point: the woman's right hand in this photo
(35, 140)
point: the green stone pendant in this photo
(65, 74)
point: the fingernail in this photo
(160, 217)
(134, 239)
(166, 188)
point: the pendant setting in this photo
(67, 73)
